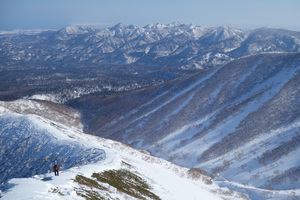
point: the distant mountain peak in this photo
(177, 23)
(225, 27)
(118, 26)
(160, 25)
(131, 26)
(70, 30)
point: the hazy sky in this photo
(31, 14)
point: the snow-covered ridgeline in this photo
(40, 134)
(31, 145)
(240, 123)
(48, 110)
(230, 162)
(168, 181)
(192, 45)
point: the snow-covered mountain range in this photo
(177, 44)
(123, 58)
(240, 121)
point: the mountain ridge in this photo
(206, 120)
(82, 158)
(133, 56)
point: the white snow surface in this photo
(168, 180)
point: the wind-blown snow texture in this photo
(240, 120)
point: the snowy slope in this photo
(31, 144)
(38, 147)
(239, 121)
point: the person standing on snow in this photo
(55, 170)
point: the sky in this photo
(56, 14)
